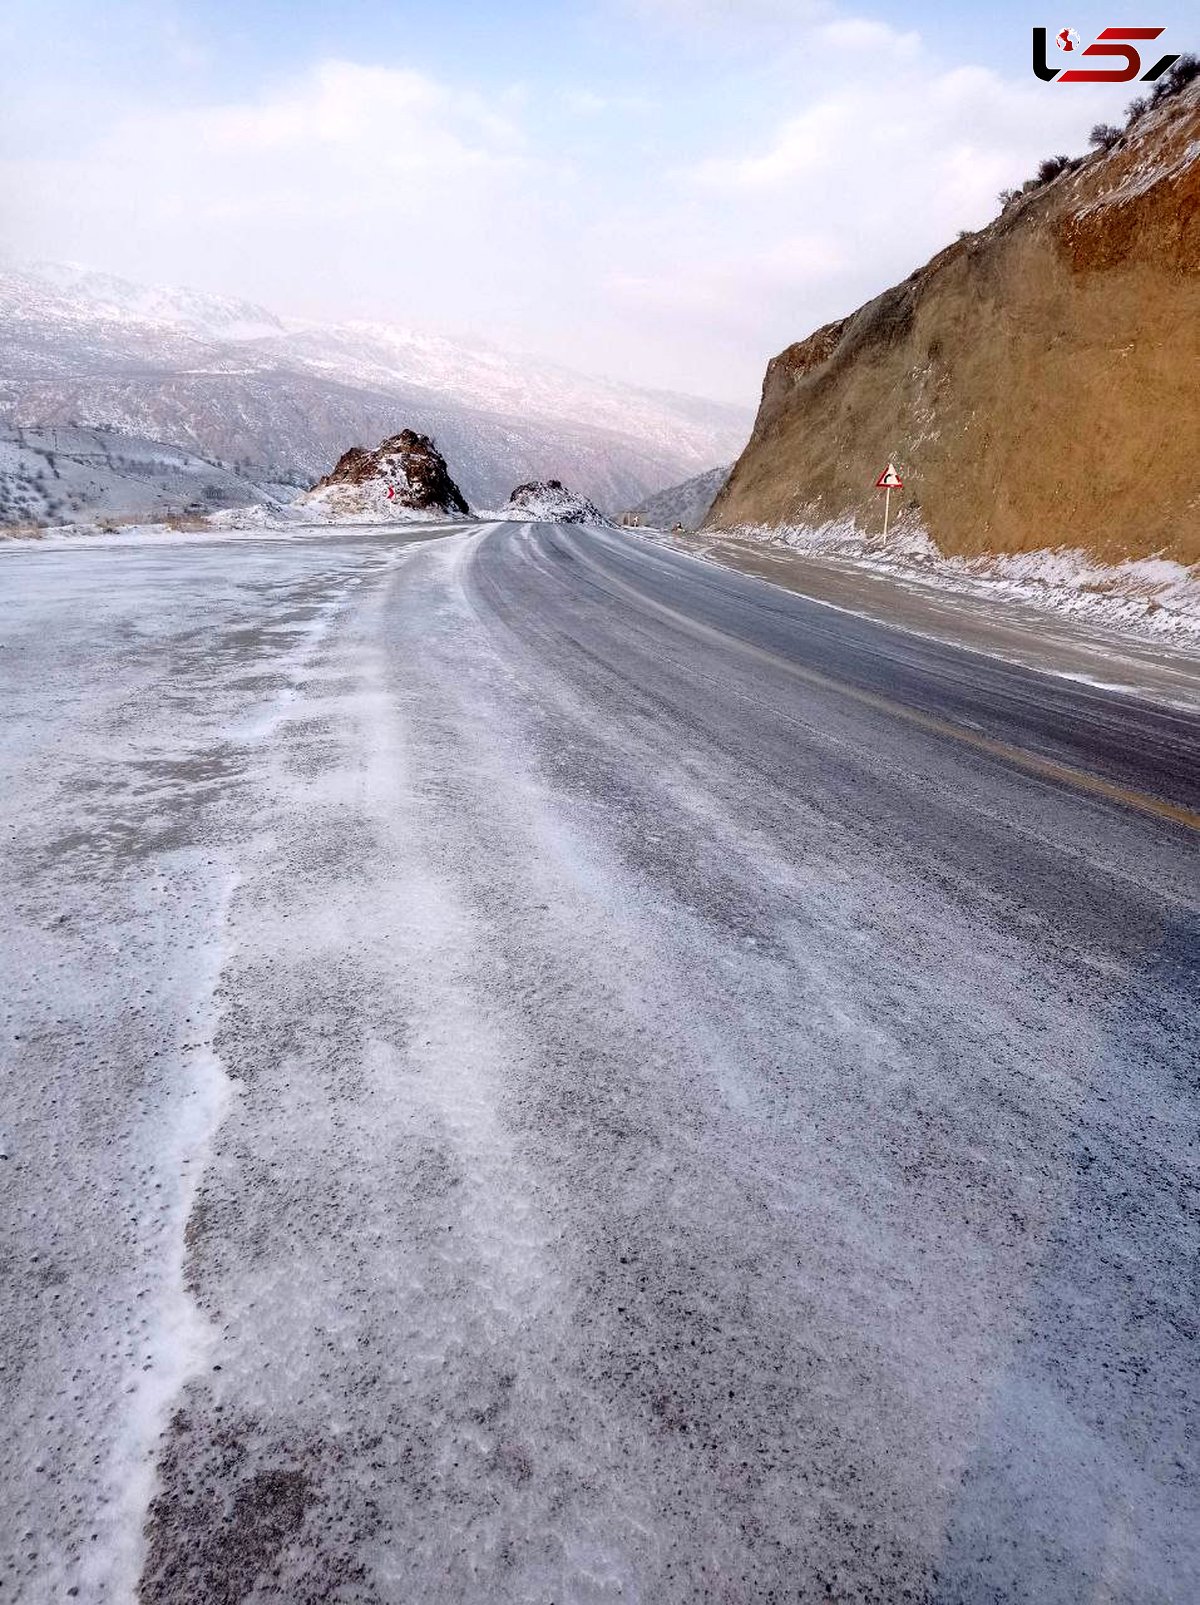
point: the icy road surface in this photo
(541, 1070)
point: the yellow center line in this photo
(1032, 763)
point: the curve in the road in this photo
(792, 662)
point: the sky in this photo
(663, 191)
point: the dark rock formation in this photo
(410, 464)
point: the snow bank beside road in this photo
(1150, 595)
(261, 523)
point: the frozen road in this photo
(540, 1070)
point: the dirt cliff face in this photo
(1037, 383)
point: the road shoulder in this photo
(1002, 627)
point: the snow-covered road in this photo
(530, 1078)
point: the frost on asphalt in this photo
(501, 1108)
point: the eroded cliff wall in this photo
(1038, 383)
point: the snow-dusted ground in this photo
(512, 1098)
(129, 680)
(1127, 627)
(65, 472)
(1151, 596)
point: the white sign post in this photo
(888, 481)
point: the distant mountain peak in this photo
(218, 316)
(234, 380)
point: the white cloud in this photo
(354, 124)
(903, 131)
(338, 174)
(716, 34)
(737, 14)
(345, 102)
(875, 39)
(764, 244)
(802, 145)
(590, 103)
(729, 285)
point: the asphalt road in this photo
(543, 1070)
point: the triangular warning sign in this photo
(889, 479)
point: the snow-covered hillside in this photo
(685, 504)
(61, 474)
(234, 380)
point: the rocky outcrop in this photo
(404, 477)
(1035, 382)
(548, 501)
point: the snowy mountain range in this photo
(284, 397)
